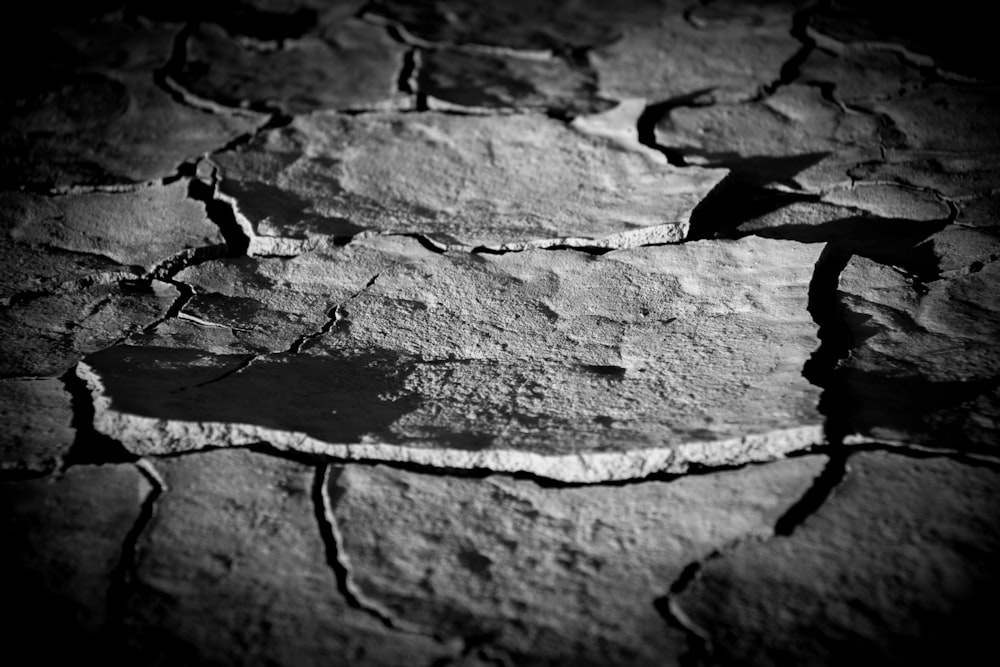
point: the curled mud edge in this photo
(151, 436)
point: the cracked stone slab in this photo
(926, 363)
(36, 430)
(48, 333)
(135, 230)
(63, 538)
(463, 181)
(232, 567)
(348, 65)
(793, 127)
(866, 579)
(562, 364)
(548, 575)
(92, 115)
(499, 81)
(731, 49)
(554, 26)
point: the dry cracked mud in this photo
(528, 333)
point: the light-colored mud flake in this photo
(926, 363)
(897, 568)
(502, 182)
(137, 229)
(549, 575)
(63, 539)
(562, 364)
(233, 564)
(35, 424)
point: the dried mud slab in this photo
(896, 568)
(63, 540)
(233, 570)
(561, 364)
(92, 114)
(502, 182)
(548, 575)
(35, 425)
(348, 65)
(731, 50)
(925, 367)
(137, 231)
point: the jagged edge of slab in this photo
(150, 436)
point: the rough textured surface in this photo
(126, 228)
(502, 182)
(62, 545)
(467, 333)
(35, 425)
(548, 575)
(495, 81)
(906, 582)
(509, 362)
(926, 358)
(729, 49)
(46, 334)
(349, 65)
(93, 114)
(232, 570)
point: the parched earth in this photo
(528, 333)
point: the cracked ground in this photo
(465, 333)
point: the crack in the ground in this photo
(700, 650)
(835, 340)
(338, 561)
(185, 294)
(124, 572)
(790, 69)
(334, 316)
(89, 446)
(221, 214)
